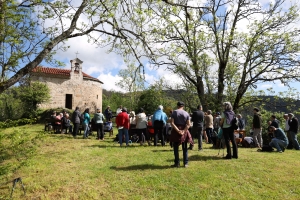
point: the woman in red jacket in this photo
(122, 121)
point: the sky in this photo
(105, 66)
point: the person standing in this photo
(86, 123)
(257, 128)
(108, 113)
(180, 135)
(286, 129)
(228, 131)
(197, 119)
(209, 126)
(141, 126)
(241, 123)
(122, 121)
(293, 130)
(99, 119)
(279, 141)
(119, 110)
(76, 121)
(159, 121)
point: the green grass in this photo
(67, 168)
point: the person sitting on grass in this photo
(280, 140)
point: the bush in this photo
(13, 123)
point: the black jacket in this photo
(293, 123)
(197, 118)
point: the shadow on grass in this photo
(162, 150)
(140, 167)
(204, 158)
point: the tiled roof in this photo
(60, 72)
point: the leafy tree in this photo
(190, 39)
(26, 38)
(154, 96)
(31, 95)
(132, 82)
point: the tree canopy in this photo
(221, 48)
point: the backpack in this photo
(234, 123)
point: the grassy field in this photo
(67, 168)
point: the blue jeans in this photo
(125, 132)
(86, 130)
(294, 140)
(184, 151)
(278, 144)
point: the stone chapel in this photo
(70, 88)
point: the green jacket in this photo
(257, 121)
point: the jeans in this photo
(100, 131)
(121, 132)
(197, 131)
(76, 129)
(294, 139)
(86, 130)
(184, 151)
(257, 138)
(228, 134)
(209, 132)
(158, 129)
(278, 144)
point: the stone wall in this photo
(85, 93)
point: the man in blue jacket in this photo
(159, 120)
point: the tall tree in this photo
(132, 82)
(32, 31)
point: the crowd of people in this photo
(182, 128)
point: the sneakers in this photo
(283, 149)
(175, 165)
(186, 165)
(279, 151)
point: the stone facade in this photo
(70, 88)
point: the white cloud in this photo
(110, 81)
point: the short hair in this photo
(239, 115)
(199, 106)
(271, 127)
(160, 107)
(209, 112)
(180, 104)
(256, 109)
(273, 116)
(77, 108)
(141, 110)
(227, 105)
(291, 114)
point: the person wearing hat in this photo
(159, 121)
(293, 130)
(257, 128)
(180, 135)
(122, 121)
(98, 120)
